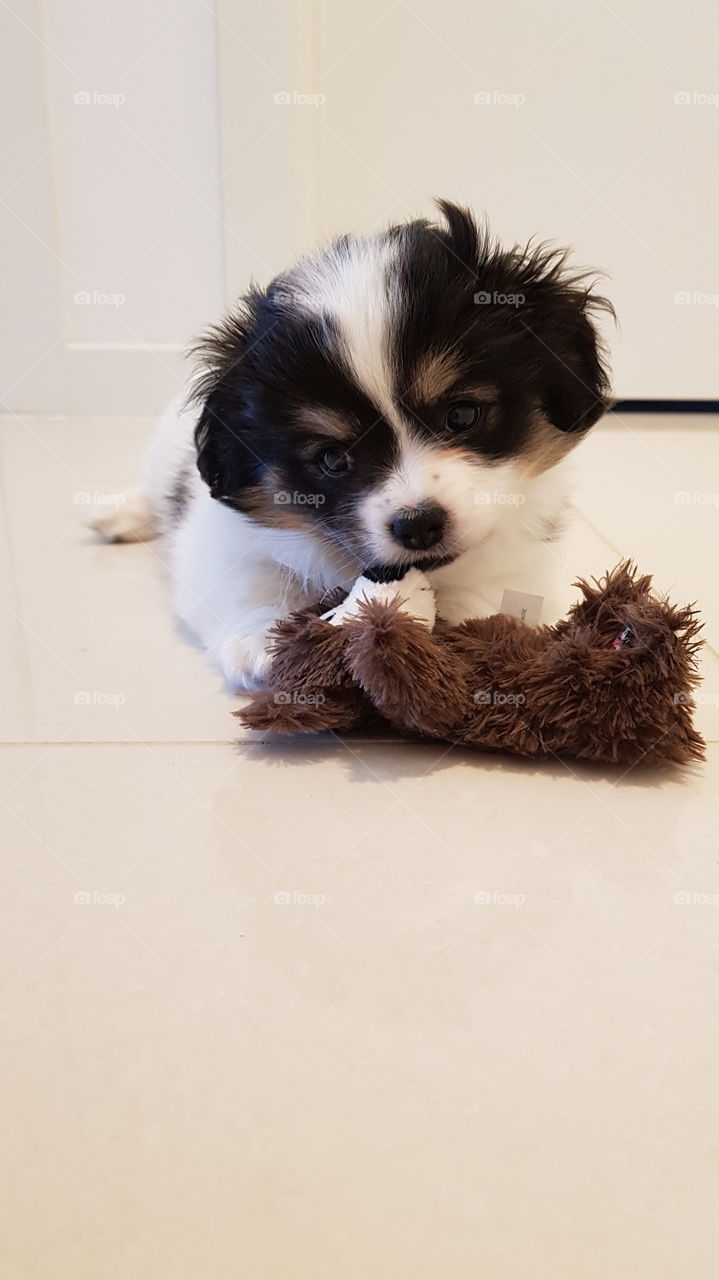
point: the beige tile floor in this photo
(283, 1038)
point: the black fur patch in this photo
(178, 497)
(514, 319)
(265, 366)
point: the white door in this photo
(111, 200)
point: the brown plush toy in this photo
(612, 682)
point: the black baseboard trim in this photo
(665, 406)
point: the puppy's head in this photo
(389, 389)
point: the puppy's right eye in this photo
(335, 462)
(463, 415)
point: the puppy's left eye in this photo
(335, 462)
(462, 415)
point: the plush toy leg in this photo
(303, 713)
(414, 681)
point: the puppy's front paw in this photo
(245, 662)
(413, 593)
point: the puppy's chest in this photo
(475, 585)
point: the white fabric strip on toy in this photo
(413, 591)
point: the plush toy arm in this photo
(414, 681)
(309, 688)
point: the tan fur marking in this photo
(272, 506)
(434, 374)
(546, 446)
(326, 422)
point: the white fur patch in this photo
(356, 284)
(474, 493)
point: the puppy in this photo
(407, 398)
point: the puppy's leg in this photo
(228, 594)
(413, 592)
(235, 629)
(244, 660)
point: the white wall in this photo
(200, 179)
(597, 154)
(111, 221)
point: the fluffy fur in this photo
(612, 682)
(405, 398)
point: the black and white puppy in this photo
(404, 398)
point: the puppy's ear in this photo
(225, 457)
(565, 350)
(576, 382)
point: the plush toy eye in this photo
(335, 462)
(463, 415)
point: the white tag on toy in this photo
(522, 605)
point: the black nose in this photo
(419, 529)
